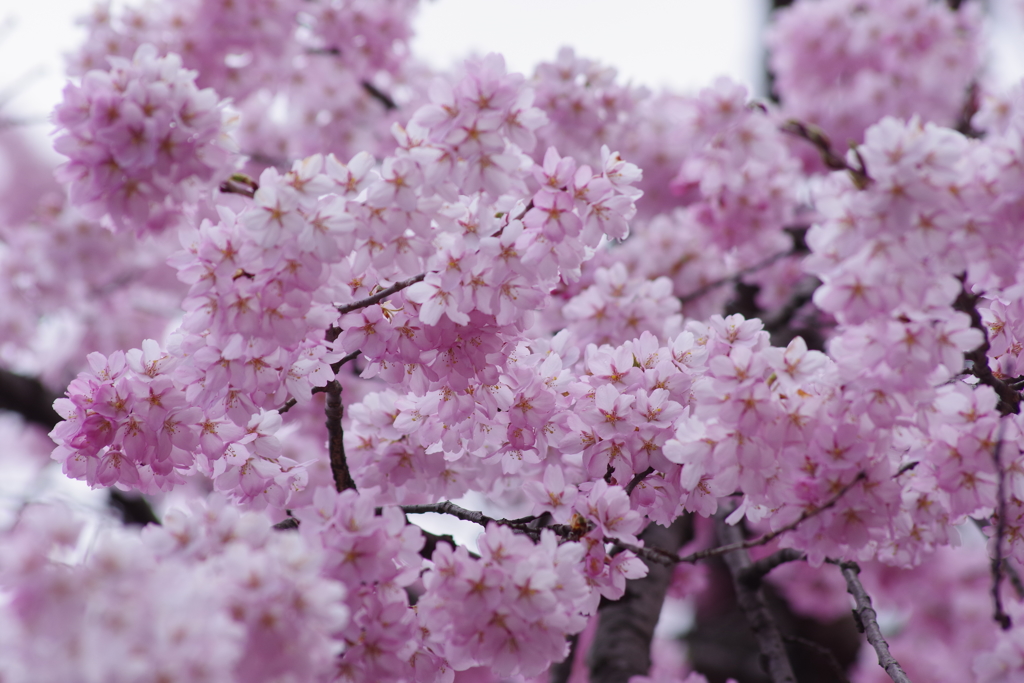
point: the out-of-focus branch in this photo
(735, 277)
(29, 398)
(867, 622)
(239, 183)
(824, 653)
(756, 571)
(1000, 615)
(817, 137)
(379, 95)
(135, 509)
(561, 671)
(751, 601)
(622, 643)
(1009, 398)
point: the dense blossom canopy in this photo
(640, 332)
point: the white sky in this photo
(682, 43)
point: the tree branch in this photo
(625, 628)
(239, 183)
(637, 478)
(135, 510)
(335, 367)
(751, 601)
(561, 671)
(29, 398)
(824, 652)
(867, 622)
(335, 444)
(379, 95)
(381, 295)
(1009, 398)
(817, 137)
(771, 536)
(1000, 615)
(756, 571)
(735, 277)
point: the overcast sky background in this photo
(683, 44)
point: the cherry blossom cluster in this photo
(585, 105)
(258, 302)
(100, 289)
(308, 77)
(213, 595)
(845, 65)
(142, 141)
(617, 307)
(495, 300)
(740, 174)
(517, 597)
(377, 557)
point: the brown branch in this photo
(771, 536)
(751, 601)
(287, 524)
(292, 402)
(756, 571)
(561, 671)
(735, 277)
(867, 622)
(379, 95)
(823, 652)
(446, 507)
(239, 183)
(1014, 577)
(817, 137)
(381, 295)
(29, 398)
(336, 437)
(637, 478)
(622, 643)
(1000, 615)
(1009, 398)
(336, 367)
(135, 510)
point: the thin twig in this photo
(817, 137)
(637, 478)
(867, 622)
(1000, 615)
(531, 526)
(715, 284)
(771, 536)
(381, 295)
(379, 95)
(751, 601)
(658, 555)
